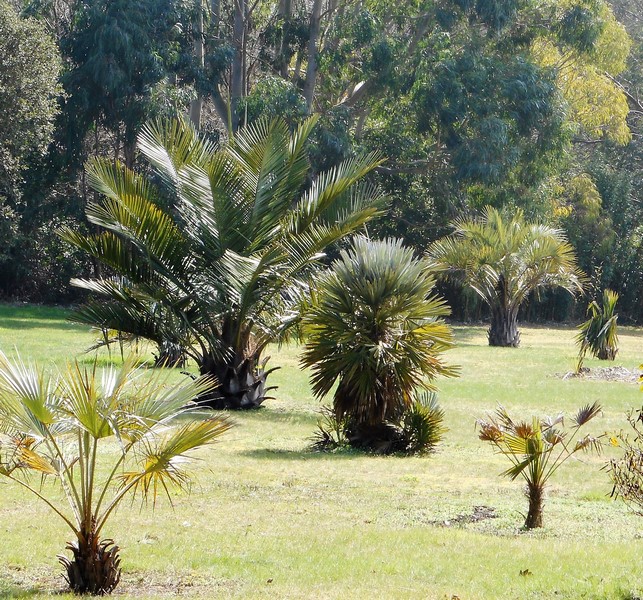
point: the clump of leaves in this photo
(418, 430)
(330, 434)
(423, 424)
(598, 335)
(56, 425)
(537, 449)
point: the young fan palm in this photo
(374, 327)
(504, 261)
(216, 273)
(56, 426)
(598, 334)
(537, 450)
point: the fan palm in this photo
(56, 426)
(374, 327)
(217, 273)
(599, 334)
(537, 450)
(504, 261)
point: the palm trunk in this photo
(504, 327)
(535, 494)
(95, 566)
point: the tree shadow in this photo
(300, 455)
(20, 323)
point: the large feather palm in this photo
(215, 273)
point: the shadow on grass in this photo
(37, 323)
(301, 455)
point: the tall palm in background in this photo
(504, 260)
(56, 426)
(217, 274)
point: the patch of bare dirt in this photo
(479, 513)
(615, 373)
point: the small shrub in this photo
(330, 433)
(422, 424)
(626, 472)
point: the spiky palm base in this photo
(95, 566)
(240, 387)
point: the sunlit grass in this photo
(267, 518)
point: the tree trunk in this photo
(535, 494)
(242, 382)
(95, 566)
(237, 76)
(196, 106)
(311, 70)
(504, 327)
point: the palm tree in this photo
(217, 274)
(537, 450)
(504, 261)
(374, 328)
(56, 426)
(599, 333)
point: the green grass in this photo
(266, 518)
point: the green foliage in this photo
(504, 260)
(331, 431)
(219, 273)
(423, 424)
(374, 327)
(55, 426)
(598, 334)
(29, 90)
(537, 449)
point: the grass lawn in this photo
(267, 518)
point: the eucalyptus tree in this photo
(503, 260)
(220, 271)
(57, 427)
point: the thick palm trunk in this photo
(535, 494)
(242, 382)
(95, 566)
(504, 327)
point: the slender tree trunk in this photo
(285, 13)
(238, 60)
(504, 327)
(535, 494)
(196, 106)
(311, 70)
